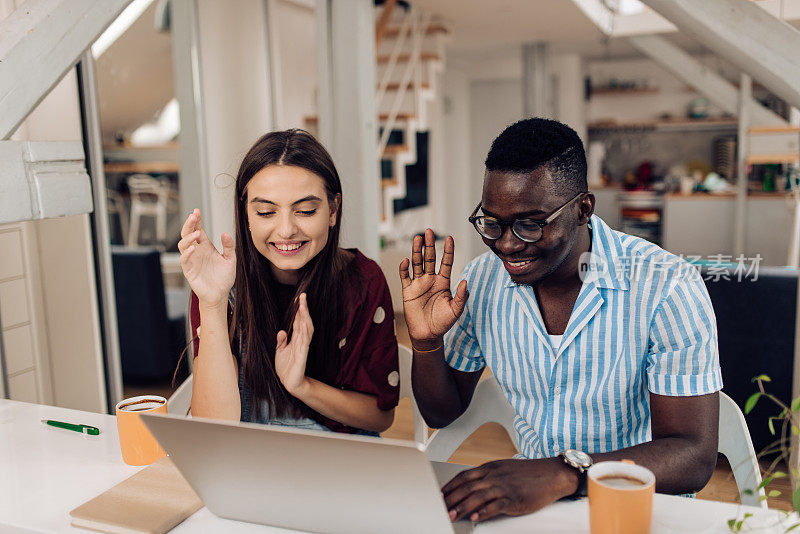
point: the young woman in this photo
(293, 329)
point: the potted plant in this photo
(785, 426)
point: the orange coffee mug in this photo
(138, 445)
(620, 498)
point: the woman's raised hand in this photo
(209, 273)
(429, 307)
(291, 356)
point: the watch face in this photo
(578, 458)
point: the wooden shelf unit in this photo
(615, 91)
(665, 124)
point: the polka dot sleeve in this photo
(369, 347)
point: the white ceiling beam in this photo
(740, 31)
(42, 179)
(711, 85)
(39, 43)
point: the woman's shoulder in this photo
(366, 270)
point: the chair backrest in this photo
(735, 444)
(144, 184)
(488, 405)
(180, 402)
(420, 428)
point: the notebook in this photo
(152, 501)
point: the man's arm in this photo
(441, 392)
(682, 455)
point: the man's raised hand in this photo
(429, 307)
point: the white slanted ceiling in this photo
(39, 43)
(716, 88)
(748, 36)
(39, 180)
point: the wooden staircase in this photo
(410, 50)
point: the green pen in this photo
(84, 429)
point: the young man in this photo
(603, 343)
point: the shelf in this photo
(759, 130)
(614, 91)
(146, 167)
(312, 120)
(766, 159)
(665, 125)
(776, 195)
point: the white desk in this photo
(45, 472)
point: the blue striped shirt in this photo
(642, 322)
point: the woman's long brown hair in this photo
(256, 319)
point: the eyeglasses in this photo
(528, 230)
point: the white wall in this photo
(567, 69)
(60, 264)
(455, 170)
(294, 67)
(236, 96)
(494, 105)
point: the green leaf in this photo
(747, 515)
(792, 527)
(748, 491)
(765, 482)
(795, 430)
(751, 402)
(762, 498)
(796, 405)
(771, 427)
(731, 523)
(763, 378)
(774, 493)
(779, 474)
(796, 500)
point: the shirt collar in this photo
(607, 266)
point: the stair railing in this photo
(399, 43)
(419, 24)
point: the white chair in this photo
(150, 198)
(735, 444)
(420, 429)
(180, 402)
(488, 405)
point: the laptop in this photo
(312, 481)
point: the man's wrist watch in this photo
(580, 461)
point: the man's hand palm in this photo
(429, 299)
(430, 309)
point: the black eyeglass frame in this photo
(505, 224)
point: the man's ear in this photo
(586, 208)
(334, 205)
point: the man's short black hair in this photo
(531, 143)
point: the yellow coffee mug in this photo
(620, 498)
(138, 445)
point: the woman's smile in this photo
(289, 248)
